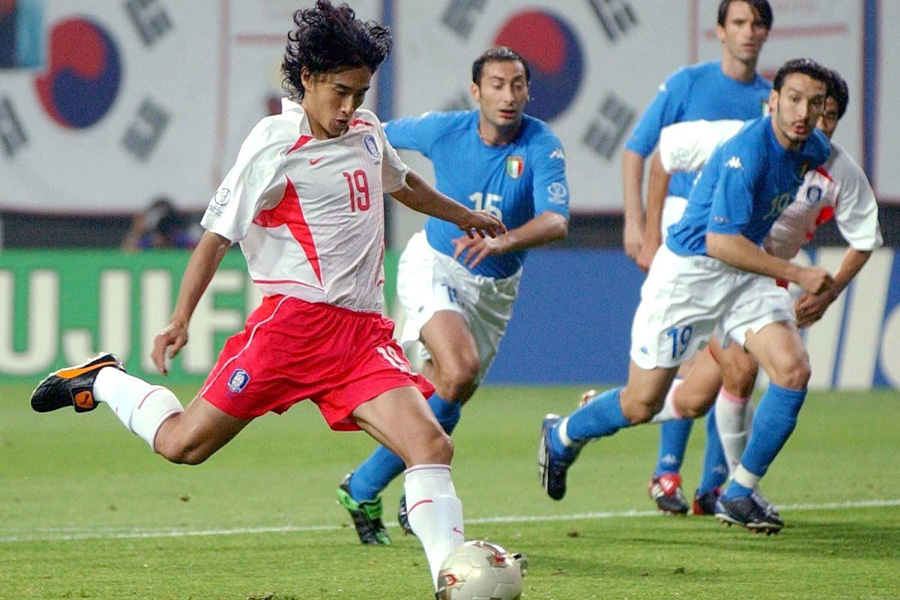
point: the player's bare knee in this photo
(457, 381)
(181, 452)
(792, 375)
(437, 451)
(639, 407)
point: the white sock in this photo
(435, 513)
(141, 407)
(745, 477)
(733, 422)
(669, 412)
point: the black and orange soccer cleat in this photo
(73, 386)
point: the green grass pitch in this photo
(86, 511)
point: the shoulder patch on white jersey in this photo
(735, 163)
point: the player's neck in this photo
(492, 135)
(744, 72)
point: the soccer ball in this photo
(480, 571)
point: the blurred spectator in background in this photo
(161, 226)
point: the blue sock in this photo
(383, 465)
(773, 423)
(673, 440)
(715, 465)
(599, 418)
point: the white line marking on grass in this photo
(67, 534)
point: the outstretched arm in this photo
(199, 272)
(421, 197)
(657, 190)
(811, 307)
(740, 252)
(545, 228)
(632, 181)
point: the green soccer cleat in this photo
(73, 386)
(366, 516)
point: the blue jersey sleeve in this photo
(416, 133)
(664, 110)
(551, 190)
(732, 201)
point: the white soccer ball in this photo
(480, 571)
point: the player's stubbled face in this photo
(331, 99)
(797, 108)
(502, 93)
(743, 34)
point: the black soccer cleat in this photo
(665, 490)
(705, 504)
(747, 512)
(552, 467)
(403, 517)
(366, 516)
(73, 386)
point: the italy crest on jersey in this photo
(514, 166)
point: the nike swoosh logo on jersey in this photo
(315, 161)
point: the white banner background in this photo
(215, 72)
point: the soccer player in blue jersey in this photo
(458, 293)
(711, 275)
(729, 88)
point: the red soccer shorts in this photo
(291, 350)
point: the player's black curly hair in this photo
(328, 39)
(806, 66)
(837, 88)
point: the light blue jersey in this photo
(744, 186)
(515, 182)
(692, 93)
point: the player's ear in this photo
(773, 100)
(306, 77)
(476, 92)
(720, 33)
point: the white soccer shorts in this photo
(685, 298)
(429, 281)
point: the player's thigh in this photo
(700, 388)
(401, 420)
(738, 368)
(449, 341)
(197, 433)
(682, 301)
(779, 349)
(645, 391)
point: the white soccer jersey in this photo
(838, 189)
(308, 213)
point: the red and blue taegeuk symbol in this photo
(83, 74)
(554, 56)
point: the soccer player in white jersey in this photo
(304, 200)
(838, 189)
(713, 274)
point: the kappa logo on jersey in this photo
(735, 163)
(558, 153)
(558, 192)
(372, 146)
(515, 165)
(238, 381)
